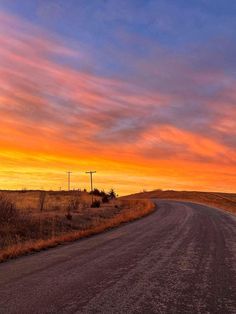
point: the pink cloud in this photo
(48, 102)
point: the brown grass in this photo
(225, 201)
(29, 229)
(29, 201)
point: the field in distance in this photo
(226, 201)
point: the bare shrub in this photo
(15, 227)
(72, 206)
(42, 197)
(8, 212)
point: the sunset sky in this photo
(142, 91)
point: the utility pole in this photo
(69, 172)
(91, 181)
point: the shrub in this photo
(105, 199)
(8, 211)
(95, 192)
(68, 216)
(72, 206)
(96, 204)
(112, 194)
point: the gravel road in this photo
(181, 259)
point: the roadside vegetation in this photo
(34, 220)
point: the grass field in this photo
(34, 220)
(225, 201)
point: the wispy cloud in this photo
(166, 108)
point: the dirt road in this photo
(181, 259)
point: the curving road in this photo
(181, 259)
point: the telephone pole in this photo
(91, 181)
(69, 172)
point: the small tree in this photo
(112, 194)
(95, 192)
(103, 193)
(105, 199)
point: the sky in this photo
(141, 91)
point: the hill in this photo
(226, 201)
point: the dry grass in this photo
(25, 228)
(225, 201)
(29, 201)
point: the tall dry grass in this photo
(22, 233)
(33, 201)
